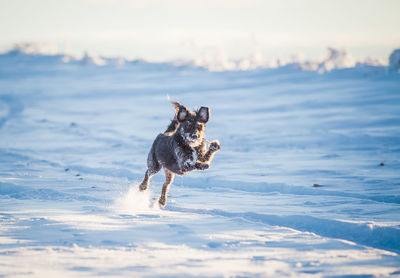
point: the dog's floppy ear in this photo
(203, 114)
(182, 113)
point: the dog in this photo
(181, 148)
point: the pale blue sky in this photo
(159, 30)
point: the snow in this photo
(394, 60)
(90, 59)
(74, 138)
(337, 60)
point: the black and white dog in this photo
(181, 148)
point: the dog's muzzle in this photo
(192, 139)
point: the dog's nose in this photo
(194, 136)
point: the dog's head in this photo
(192, 124)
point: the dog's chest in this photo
(186, 158)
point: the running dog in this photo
(181, 148)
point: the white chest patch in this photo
(193, 158)
(186, 161)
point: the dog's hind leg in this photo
(169, 178)
(146, 180)
(152, 168)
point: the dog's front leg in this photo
(188, 166)
(201, 166)
(169, 178)
(212, 149)
(205, 157)
(214, 146)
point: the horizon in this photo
(183, 30)
(335, 59)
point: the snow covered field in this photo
(74, 139)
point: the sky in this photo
(181, 29)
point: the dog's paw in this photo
(202, 166)
(162, 202)
(143, 186)
(215, 146)
(188, 166)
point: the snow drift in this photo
(74, 139)
(218, 61)
(394, 60)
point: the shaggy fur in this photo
(181, 148)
